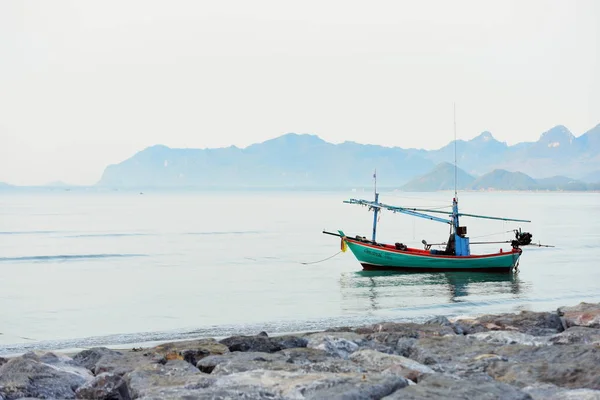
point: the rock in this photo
(438, 386)
(216, 393)
(294, 385)
(28, 376)
(149, 379)
(406, 329)
(105, 386)
(304, 356)
(333, 346)
(100, 359)
(191, 351)
(249, 359)
(509, 337)
(408, 347)
(374, 361)
(552, 392)
(89, 358)
(2, 361)
(577, 334)
(529, 322)
(583, 314)
(574, 366)
(263, 343)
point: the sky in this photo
(87, 84)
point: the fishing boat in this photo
(456, 256)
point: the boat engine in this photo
(521, 238)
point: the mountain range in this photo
(304, 160)
(557, 161)
(442, 177)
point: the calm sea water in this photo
(85, 269)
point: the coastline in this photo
(529, 355)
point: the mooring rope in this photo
(325, 259)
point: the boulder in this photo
(374, 361)
(101, 359)
(106, 386)
(438, 386)
(333, 346)
(577, 335)
(150, 379)
(552, 392)
(262, 343)
(583, 314)
(529, 322)
(29, 376)
(510, 337)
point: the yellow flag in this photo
(344, 246)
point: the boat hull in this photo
(386, 257)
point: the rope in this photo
(325, 259)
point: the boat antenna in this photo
(455, 168)
(375, 181)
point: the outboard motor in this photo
(521, 238)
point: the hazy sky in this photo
(85, 84)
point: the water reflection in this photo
(376, 290)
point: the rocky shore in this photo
(529, 355)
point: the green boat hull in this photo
(377, 257)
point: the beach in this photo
(526, 355)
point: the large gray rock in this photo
(105, 386)
(406, 329)
(100, 359)
(438, 386)
(529, 322)
(510, 337)
(150, 379)
(253, 360)
(263, 343)
(29, 376)
(552, 392)
(292, 361)
(333, 346)
(294, 385)
(577, 335)
(214, 393)
(374, 361)
(573, 366)
(583, 314)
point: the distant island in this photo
(557, 161)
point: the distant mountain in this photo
(500, 179)
(561, 183)
(290, 160)
(302, 160)
(441, 178)
(557, 152)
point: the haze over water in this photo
(82, 269)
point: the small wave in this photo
(29, 232)
(225, 233)
(66, 257)
(98, 235)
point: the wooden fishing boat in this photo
(456, 256)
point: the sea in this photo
(80, 269)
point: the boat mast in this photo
(455, 170)
(375, 209)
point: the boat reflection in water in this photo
(381, 290)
